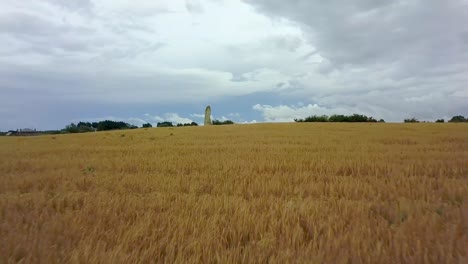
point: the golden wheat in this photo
(307, 193)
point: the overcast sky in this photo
(62, 61)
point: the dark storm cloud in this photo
(405, 57)
(368, 32)
(24, 24)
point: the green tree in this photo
(226, 122)
(411, 120)
(165, 124)
(458, 119)
(85, 127)
(71, 128)
(147, 125)
(113, 125)
(337, 118)
(187, 124)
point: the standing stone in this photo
(208, 116)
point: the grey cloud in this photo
(366, 32)
(384, 58)
(308, 55)
(284, 42)
(131, 51)
(238, 78)
(32, 33)
(25, 24)
(289, 43)
(75, 5)
(380, 54)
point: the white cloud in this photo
(147, 118)
(249, 122)
(287, 113)
(139, 51)
(177, 119)
(171, 117)
(198, 115)
(283, 113)
(136, 121)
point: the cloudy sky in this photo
(62, 61)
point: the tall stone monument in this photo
(208, 116)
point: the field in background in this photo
(375, 193)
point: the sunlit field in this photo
(307, 193)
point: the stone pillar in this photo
(208, 116)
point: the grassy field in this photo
(307, 193)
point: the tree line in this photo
(170, 124)
(214, 122)
(83, 127)
(339, 118)
(454, 119)
(363, 118)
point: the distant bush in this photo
(88, 124)
(113, 125)
(381, 121)
(105, 125)
(337, 118)
(458, 119)
(147, 125)
(83, 129)
(187, 124)
(314, 118)
(440, 121)
(226, 122)
(352, 118)
(71, 128)
(165, 124)
(411, 120)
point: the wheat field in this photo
(276, 193)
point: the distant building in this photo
(25, 132)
